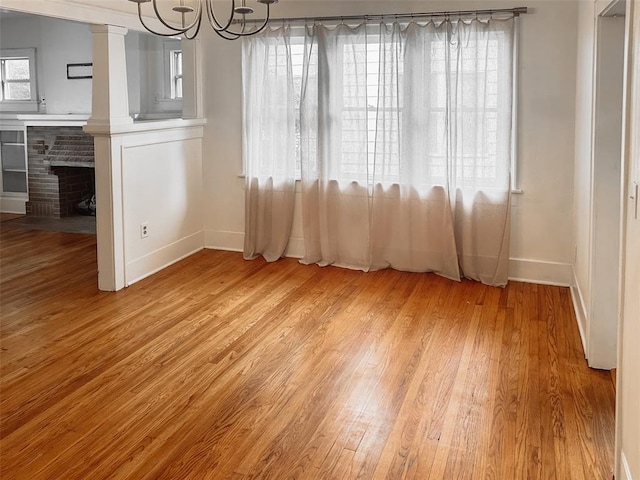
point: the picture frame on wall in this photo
(76, 71)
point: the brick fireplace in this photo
(61, 170)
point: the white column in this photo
(110, 108)
(110, 105)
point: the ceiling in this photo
(617, 8)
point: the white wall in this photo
(57, 43)
(542, 244)
(628, 404)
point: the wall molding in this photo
(223, 240)
(295, 249)
(539, 271)
(521, 269)
(581, 313)
(161, 258)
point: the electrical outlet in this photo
(144, 230)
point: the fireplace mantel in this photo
(45, 120)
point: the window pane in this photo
(15, 182)
(178, 62)
(178, 87)
(17, 91)
(16, 69)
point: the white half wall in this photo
(542, 217)
(162, 189)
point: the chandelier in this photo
(190, 13)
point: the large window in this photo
(403, 135)
(476, 141)
(18, 81)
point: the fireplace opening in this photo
(61, 175)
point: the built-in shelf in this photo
(13, 171)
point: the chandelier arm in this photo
(151, 30)
(213, 20)
(197, 30)
(224, 34)
(171, 27)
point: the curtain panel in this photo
(404, 144)
(268, 143)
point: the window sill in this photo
(170, 101)
(19, 106)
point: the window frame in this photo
(12, 105)
(175, 77)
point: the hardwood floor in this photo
(221, 368)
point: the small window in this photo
(18, 80)
(172, 70)
(176, 73)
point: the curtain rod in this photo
(340, 18)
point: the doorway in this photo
(606, 187)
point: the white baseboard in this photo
(234, 242)
(520, 269)
(581, 314)
(295, 249)
(537, 271)
(625, 471)
(221, 240)
(13, 205)
(161, 258)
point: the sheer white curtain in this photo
(441, 188)
(406, 144)
(334, 146)
(412, 223)
(269, 143)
